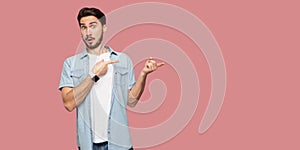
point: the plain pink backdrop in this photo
(259, 42)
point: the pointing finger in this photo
(112, 61)
(101, 61)
(160, 64)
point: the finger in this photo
(150, 66)
(112, 61)
(154, 67)
(101, 61)
(160, 64)
(152, 61)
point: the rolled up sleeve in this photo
(131, 74)
(66, 79)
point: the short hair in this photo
(84, 12)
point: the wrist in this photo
(93, 76)
(143, 74)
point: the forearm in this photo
(137, 90)
(82, 90)
(75, 96)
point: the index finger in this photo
(112, 61)
(160, 64)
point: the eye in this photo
(83, 27)
(93, 26)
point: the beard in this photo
(95, 45)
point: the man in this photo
(99, 82)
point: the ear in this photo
(104, 28)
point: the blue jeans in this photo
(101, 146)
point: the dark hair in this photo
(91, 12)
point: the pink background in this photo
(259, 42)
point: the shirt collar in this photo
(85, 53)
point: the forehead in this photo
(88, 20)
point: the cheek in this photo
(97, 32)
(82, 34)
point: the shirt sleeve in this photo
(131, 74)
(66, 79)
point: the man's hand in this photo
(151, 65)
(136, 91)
(100, 67)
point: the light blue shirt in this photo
(75, 70)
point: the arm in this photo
(73, 97)
(135, 93)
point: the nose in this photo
(88, 31)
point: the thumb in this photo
(160, 64)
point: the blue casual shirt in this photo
(75, 70)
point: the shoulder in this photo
(123, 55)
(71, 59)
(124, 60)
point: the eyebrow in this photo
(94, 22)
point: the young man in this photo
(100, 82)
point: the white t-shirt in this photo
(101, 99)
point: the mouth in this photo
(90, 39)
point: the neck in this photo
(98, 50)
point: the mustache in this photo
(89, 38)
